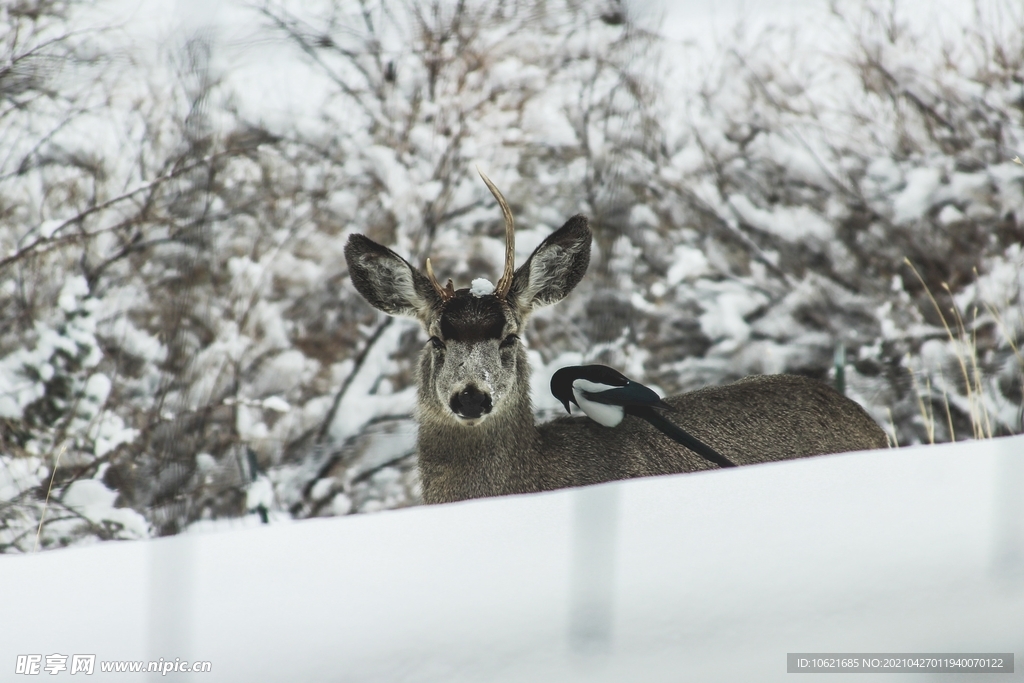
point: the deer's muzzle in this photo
(470, 403)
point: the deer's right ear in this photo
(554, 268)
(387, 281)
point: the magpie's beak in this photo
(567, 409)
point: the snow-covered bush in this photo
(179, 339)
(865, 195)
(55, 409)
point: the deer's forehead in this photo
(468, 318)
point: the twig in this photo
(363, 476)
(48, 241)
(892, 426)
(46, 503)
(360, 360)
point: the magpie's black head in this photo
(561, 385)
(561, 381)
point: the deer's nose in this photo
(470, 403)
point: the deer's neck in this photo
(493, 458)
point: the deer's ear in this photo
(554, 268)
(387, 281)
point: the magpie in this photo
(607, 396)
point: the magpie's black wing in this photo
(633, 394)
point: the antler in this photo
(505, 283)
(446, 292)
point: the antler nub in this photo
(446, 292)
(505, 283)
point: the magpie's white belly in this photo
(601, 413)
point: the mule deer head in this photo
(473, 367)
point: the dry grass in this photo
(963, 340)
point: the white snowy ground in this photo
(699, 577)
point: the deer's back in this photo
(757, 419)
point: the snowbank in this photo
(712, 576)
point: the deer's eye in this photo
(510, 340)
(437, 343)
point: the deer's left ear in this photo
(554, 268)
(387, 281)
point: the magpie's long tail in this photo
(678, 434)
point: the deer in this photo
(477, 435)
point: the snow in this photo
(87, 494)
(361, 404)
(481, 287)
(24, 371)
(109, 431)
(791, 223)
(94, 501)
(917, 197)
(135, 341)
(341, 505)
(912, 550)
(725, 305)
(545, 120)
(322, 488)
(381, 448)
(18, 475)
(284, 373)
(643, 216)
(260, 494)
(74, 289)
(950, 215)
(277, 404)
(18, 391)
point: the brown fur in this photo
(758, 419)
